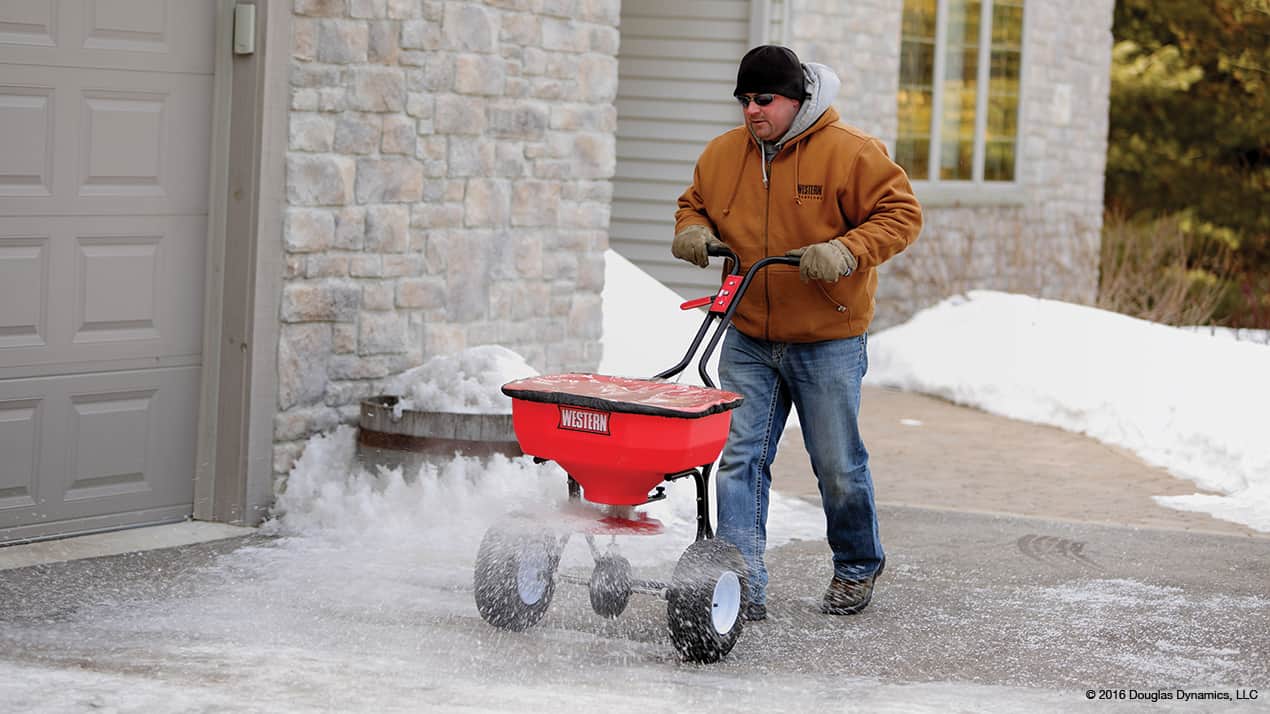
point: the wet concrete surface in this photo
(1027, 570)
(1030, 602)
(977, 612)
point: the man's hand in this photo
(691, 244)
(826, 261)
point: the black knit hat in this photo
(771, 69)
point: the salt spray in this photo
(435, 515)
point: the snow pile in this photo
(467, 382)
(1194, 404)
(645, 332)
(1241, 334)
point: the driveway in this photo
(1028, 569)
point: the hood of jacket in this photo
(822, 88)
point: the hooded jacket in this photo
(824, 180)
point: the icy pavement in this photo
(363, 602)
(276, 626)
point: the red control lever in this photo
(698, 302)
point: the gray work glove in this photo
(691, 243)
(826, 261)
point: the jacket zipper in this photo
(767, 219)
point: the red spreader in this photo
(617, 436)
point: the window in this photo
(959, 89)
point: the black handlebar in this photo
(719, 250)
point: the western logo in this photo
(588, 420)
(811, 190)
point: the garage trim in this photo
(233, 474)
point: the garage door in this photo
(105, 107)
(676, 73)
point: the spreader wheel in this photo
(610, 585)
(707, 595)
(514, 577)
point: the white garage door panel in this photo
(84, 147)
(105, 129)
(20, 421)
(124, 34)
(24, 271)
(113, 443)
(96, 289)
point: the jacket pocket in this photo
(851, 294)
(803, 312)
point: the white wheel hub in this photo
(532, 565)
(725, 605)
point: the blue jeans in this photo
(822, 381)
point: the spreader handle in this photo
(722, 306)
(719, 250)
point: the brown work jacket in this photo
(833, 181)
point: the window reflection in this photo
(961, 93)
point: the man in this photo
(797, 181)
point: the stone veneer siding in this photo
(448, 185)
(1044, 241)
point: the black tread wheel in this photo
(515, 577)
(707, 595)
(610, 585)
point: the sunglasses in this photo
(760, 99)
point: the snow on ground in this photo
(1261, 337)
(645, 332)
(1193, 403)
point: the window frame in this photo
(975, 190)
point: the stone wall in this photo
(860, 40)
(448, 181)
(1043, 239)
(448, 185)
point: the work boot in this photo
(755, 611)
(847, 597)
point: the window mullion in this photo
(937, 90)
(1019, 105)
(981, 91)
